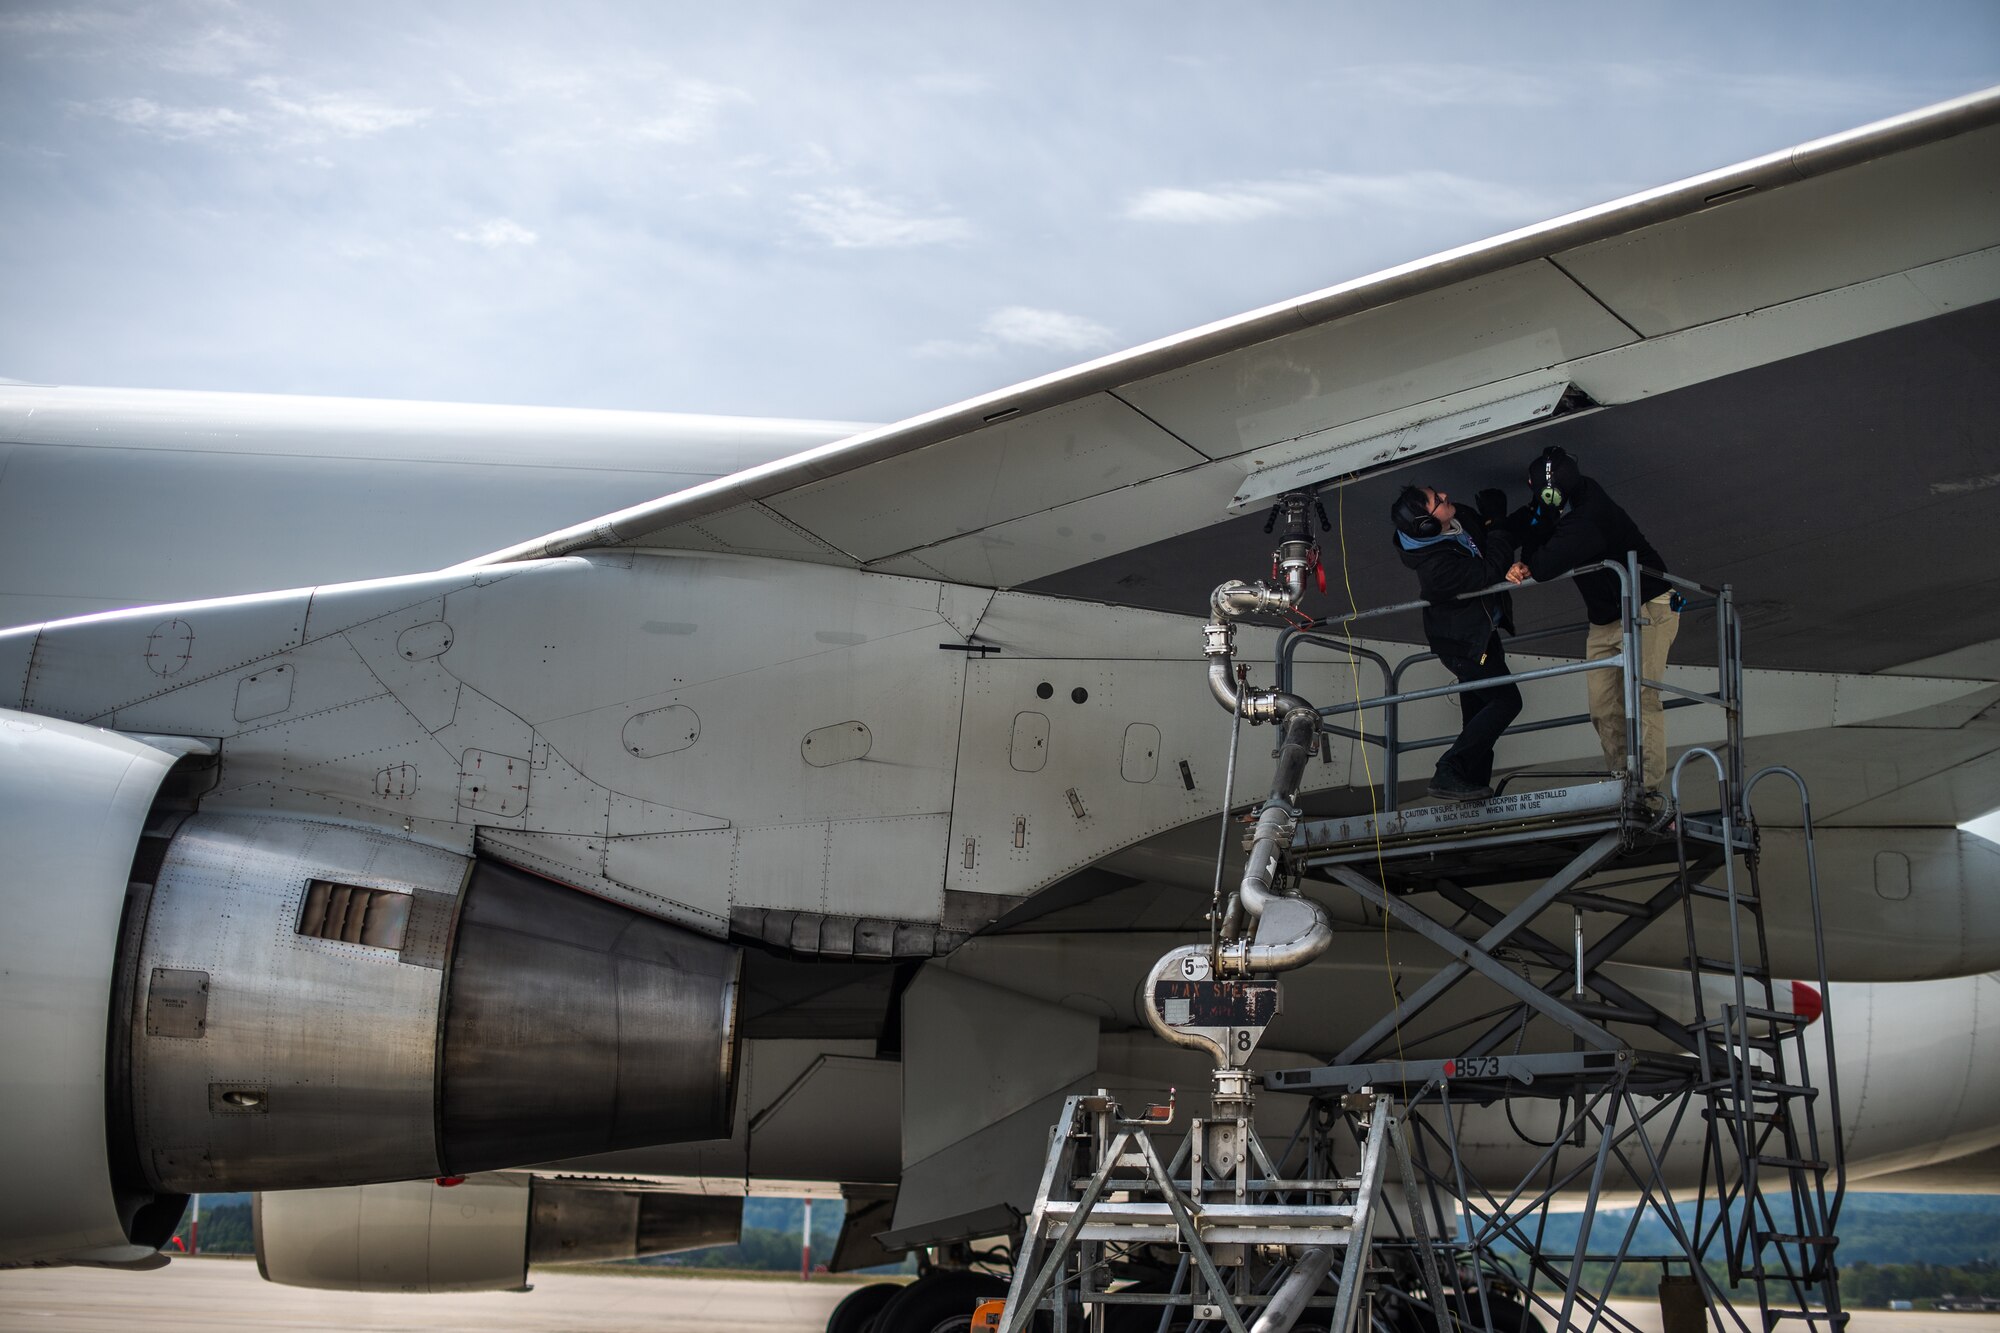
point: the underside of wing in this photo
(1884, 228)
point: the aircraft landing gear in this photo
(940, 1301)
(856, 1314)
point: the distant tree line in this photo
(1878, 1284)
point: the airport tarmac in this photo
(201, 1295)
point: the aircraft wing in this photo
(1893, 225)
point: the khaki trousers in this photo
(1658, 623)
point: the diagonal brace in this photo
(1476, 956)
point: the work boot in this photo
(1450, 787)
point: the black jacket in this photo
(1591, 528)
(1445, 569)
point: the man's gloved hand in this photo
(1491, 504)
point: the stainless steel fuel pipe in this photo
(1238, 951)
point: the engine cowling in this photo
(315, 1005)
(249, 1002)
(73, 800)
(480, 1234)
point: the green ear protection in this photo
(1543, 476)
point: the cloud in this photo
(1026, 326)
(55, 22)
(1239, 203)
(1419, 83)
(694, 110)
(279, 117)
(497, 234)
(1022, 326)
(848, 218)
(340, 115)
(1768, 91)
(169, 122)
(216, 50)
(1322, 193)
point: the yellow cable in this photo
(1367, 769)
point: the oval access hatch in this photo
(837, 744)
(1142, 752)
(661, 731)
(1029, 749)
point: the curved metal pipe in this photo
(1257, 705)
(1299, 738)
(1300, 723)
(1170, 965)
(1288, 1302)
(1246, 957)
(1235, 599)
(1273, 833)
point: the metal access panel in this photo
(177, 1003)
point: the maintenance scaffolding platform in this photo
(1708, 1105)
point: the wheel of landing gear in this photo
(938, 1302)
(856, 1314)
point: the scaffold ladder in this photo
(1255, 1247)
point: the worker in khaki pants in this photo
(1572, 521)
(1658, 623)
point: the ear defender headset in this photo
(1412, 514)
(1549, 474)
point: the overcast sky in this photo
(834, 210)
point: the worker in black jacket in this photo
(1456, 552)
(1573, 521)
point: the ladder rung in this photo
(1838, 1318)
(1783, 1238)
(1723, 1085)
(1727, 968)
(1762, 1015)
(1743, 899)
(1756, 1015)
(1731, 1113)
(1753, 1041)
(1805, 1090)
(1792, 1163)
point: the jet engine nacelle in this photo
(318, 1005)
(250, 1003)
(480, 1234)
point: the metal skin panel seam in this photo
(134, 618)
(496, 844)
(301, 636)
(20, 696)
